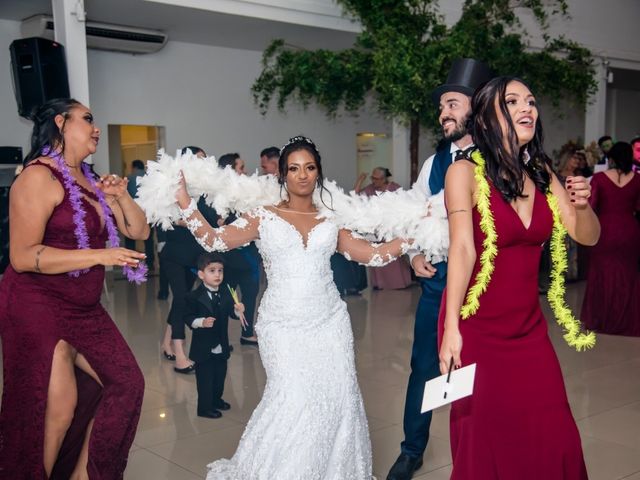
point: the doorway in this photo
(133, 142)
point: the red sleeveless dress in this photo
(612, 298)
(36, 311)
(517, 424)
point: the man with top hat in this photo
(454, 100)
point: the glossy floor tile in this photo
(172, 442)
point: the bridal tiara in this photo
(296, 139)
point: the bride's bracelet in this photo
(185, 213)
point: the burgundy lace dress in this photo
(38, 310)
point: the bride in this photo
(310, 423)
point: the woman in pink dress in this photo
(72, 388)
(397, 274)
(612, 297)
(517, 424)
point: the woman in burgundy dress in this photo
(397, 274)
(517, 424)
(72, 388)
(612, 298)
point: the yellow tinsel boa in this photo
(574, 336)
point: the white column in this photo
(69, 25)
(400, 163)
(595, 113)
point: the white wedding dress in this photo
(310, 423)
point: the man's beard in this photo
(459, 132)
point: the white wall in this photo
(201, 94)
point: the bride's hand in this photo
(451, 347)
(182, 195)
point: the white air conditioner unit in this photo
(102, 36)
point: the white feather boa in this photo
(399, 214)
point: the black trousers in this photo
(210, 375)
(249, 284)
(181, 281)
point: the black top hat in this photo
(465, 76)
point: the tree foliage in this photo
(405, 51)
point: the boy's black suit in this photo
(211, 368)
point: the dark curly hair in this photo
(45, 131)
(506, 166)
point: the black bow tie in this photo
(463, 154)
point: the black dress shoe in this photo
(210, 414)
(222, 405)
(185, 370)
(245, 341)
(404, 467)
(169, 356)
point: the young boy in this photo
(207, 313)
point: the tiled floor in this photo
(173, 443)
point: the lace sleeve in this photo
(237, 234)
(355, 248)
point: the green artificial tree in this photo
(405, 50)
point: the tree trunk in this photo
(414, 136)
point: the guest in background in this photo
(635, 145)
(163, 280)
(572, 162)
(137, 171)
(269, 161)
(605, 143)
(242, 265)
(612, 297)
(397, 274)
(379, 182)
(234, 160)
(179, 257)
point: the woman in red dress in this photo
(612, 298)
(72, 388)
(517, 424)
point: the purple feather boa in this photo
(137, 274)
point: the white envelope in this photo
(460, 385)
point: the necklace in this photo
(296, 211)
(574, 335)
(137, 274)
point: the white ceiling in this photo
(192, 25)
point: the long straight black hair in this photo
(302, 143)
(45, 131)
(507, 165)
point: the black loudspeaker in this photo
(10, 155)
(39, 72)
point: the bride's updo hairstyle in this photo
(296, 144)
